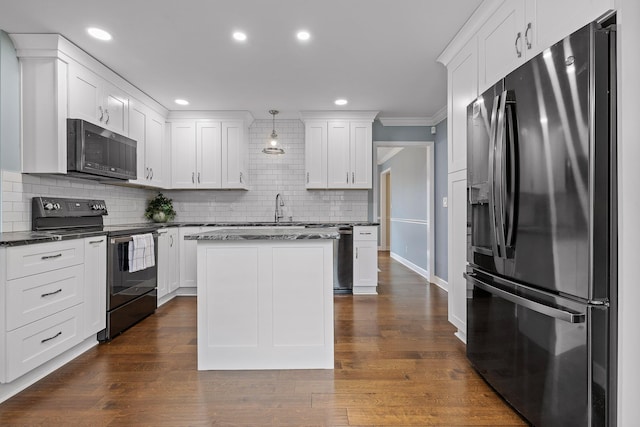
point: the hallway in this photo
(397, 364)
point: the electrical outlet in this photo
(445, 202)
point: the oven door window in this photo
(124, 285)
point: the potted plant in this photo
(160, 209)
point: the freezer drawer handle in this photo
(559, 314)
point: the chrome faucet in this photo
(279, 204)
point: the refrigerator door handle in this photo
(560, 314)
(492, 177)
(500, 163)
(511, 130)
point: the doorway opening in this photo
(385, 210)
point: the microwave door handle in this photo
(512, 185)
(491, 175)
(500, 164)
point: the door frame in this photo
(430, 145)
(384, 244)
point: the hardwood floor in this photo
(397, 364)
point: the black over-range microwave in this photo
(98, 153)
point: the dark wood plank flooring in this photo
(397, 364)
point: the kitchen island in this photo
(265, 298)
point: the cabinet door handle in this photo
(198, 177)
(193, 177)
(101, 112)
(146, 173)
(171, 241)
(356, 253)
(51, 338)
(526, 36)
(307, 177)
(151, 177)
(106, 122)
(241, 178)
(93, 242)
(51, 256)
(347, 177)
(518, 49)
(48, 294)
(353, 177)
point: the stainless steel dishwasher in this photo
(343, 261)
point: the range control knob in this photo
(56, 206)
(49, 206)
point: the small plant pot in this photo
(159, 217)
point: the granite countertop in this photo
(18, 238)
(272, 233)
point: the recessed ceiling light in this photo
(303, 35)
(181, 102)
(99, 33)
(239, 36)
(340, 102)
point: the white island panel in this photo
(281, 290)
(232, 297)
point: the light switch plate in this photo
(445, 202)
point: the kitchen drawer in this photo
(42, 257)
(365, 233)
(38, 342)
(35, 297)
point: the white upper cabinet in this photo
(315, 148)
(520, 29)
(60, 81)
(338, 152)
(183, 155)
(209, 159)
(234, 150)
(146, 127)
(463, 88)
(95, 100)
(361, 154)
(338, 149)
(207, 153)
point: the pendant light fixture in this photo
(272, 146)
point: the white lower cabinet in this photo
(188, 265)
(365, 260)
(53, 296)
(95, 280)
(168, 277)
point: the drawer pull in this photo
(52, 256)
(50, 293)
(93, 242)
(365, 232)
(51, 338)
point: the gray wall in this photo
(9, 110)
(440, 190)
(409, 205)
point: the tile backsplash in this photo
(268, 176)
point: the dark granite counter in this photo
(267, 233)
(18, 238)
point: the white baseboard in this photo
(411, 266)
(441, 283)
(16, 386)
(365, 290)
(462, 336)
(187, 291)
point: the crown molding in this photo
(469, 30)
(439, 116)
(338, 115)
(176, 115)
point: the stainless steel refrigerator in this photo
(541, 276)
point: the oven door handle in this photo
(126, 239)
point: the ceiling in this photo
(378, 54)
